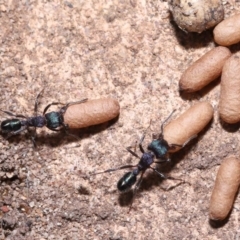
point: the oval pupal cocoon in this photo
(227, 32)
(92, 112)
(229, 105)
(205, 70)
(225, 188)
(189, 124)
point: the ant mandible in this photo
(158, 148)
(52, 120)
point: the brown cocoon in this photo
(225, 188)
(227, 32)
(229, 105)
(190, 123)
(91, 112)
(205, 70)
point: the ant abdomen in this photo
(127, 181)
(11, 125)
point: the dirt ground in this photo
(129, 50)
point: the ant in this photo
(52, 120)
(158, 148)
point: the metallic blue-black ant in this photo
(52, 120)
(158, 148)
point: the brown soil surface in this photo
(129, 50)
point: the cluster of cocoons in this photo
(220, 62)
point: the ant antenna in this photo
(114, 169)
(164, 122)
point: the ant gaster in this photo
(159, 149)
(52, 120)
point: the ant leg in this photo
(16, 132)
(140, 146)
(55, 130)
(64, 108)
(172, 178)
(159, 173)
(161, 134)
(72, 135)
(133, 153)
(37, 102)
(132, 146)
(142, 138)
(169, 177)
(14, 115)
(179, 179)
(75, 137)
(115, 169)
(165, 158)
(173, 146)
(135, 190)
(66, 128)
(163, 161)
(33, 136)
(140, 143)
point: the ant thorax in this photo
(38, 121)
(145, 161)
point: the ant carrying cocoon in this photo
(159, 149)
(52, 120)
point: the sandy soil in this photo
(129, 50)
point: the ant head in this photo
(159, 147)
